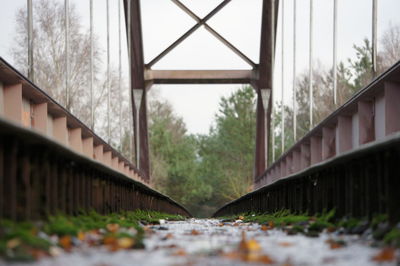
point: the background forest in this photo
(200, 171)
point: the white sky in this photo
(238, 22)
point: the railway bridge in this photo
(50, 161)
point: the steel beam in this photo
(199, 76)
(134, 29)
(265, 81)
(187, 34)
(215, 34)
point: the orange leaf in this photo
(109, 240)
(195, 233)
(266, 259)
(264, 227)
(334, 244)
(65, 242)
(386, 254)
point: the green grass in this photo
(27, 238)
(312, 225)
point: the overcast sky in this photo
(238, 22)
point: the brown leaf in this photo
(285, 244)
(241, 217)
(13, 243)
(112, 227)
(386, 254)
(179, 252)
(109, 240)
(333, 244)
(65, 242)
(195, 233)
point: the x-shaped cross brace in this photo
(201, 22)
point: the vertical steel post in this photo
(91, 68)
(108, 74)
(374, 36)
(130, 77)
(334, 61)
(272, 81)
(137, 94)
(66, 9)
(120, 73)
(31, 75)
(283, 79)
(310, 63)
(294, 72)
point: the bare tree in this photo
(49, 65)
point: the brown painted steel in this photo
(138, 82)
(200, 76)
(39, 177)
(360, 183)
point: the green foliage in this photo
(174, 157)
(203, 172)
(227, 153)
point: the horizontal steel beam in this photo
(199, 76)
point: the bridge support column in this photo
(137, 82)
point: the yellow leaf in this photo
(81, 236)
(126, 242)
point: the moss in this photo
(393, 237)
(349, 223)
(61, 225)
(319, 225)
(377, 219)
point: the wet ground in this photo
(210, 242)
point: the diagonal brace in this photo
(215, 33)
(188, 33)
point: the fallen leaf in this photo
(335, 244)
(55, 251)
(266, 259)
(385, 255)
(179, 252)
(125, 242)
(112, 227)
(168, 236)
(109, 240)
(264, 227)
(13, 243)
(37, 253)
(65, 242)
(81, 236)
(285, 244)
(195, 232)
